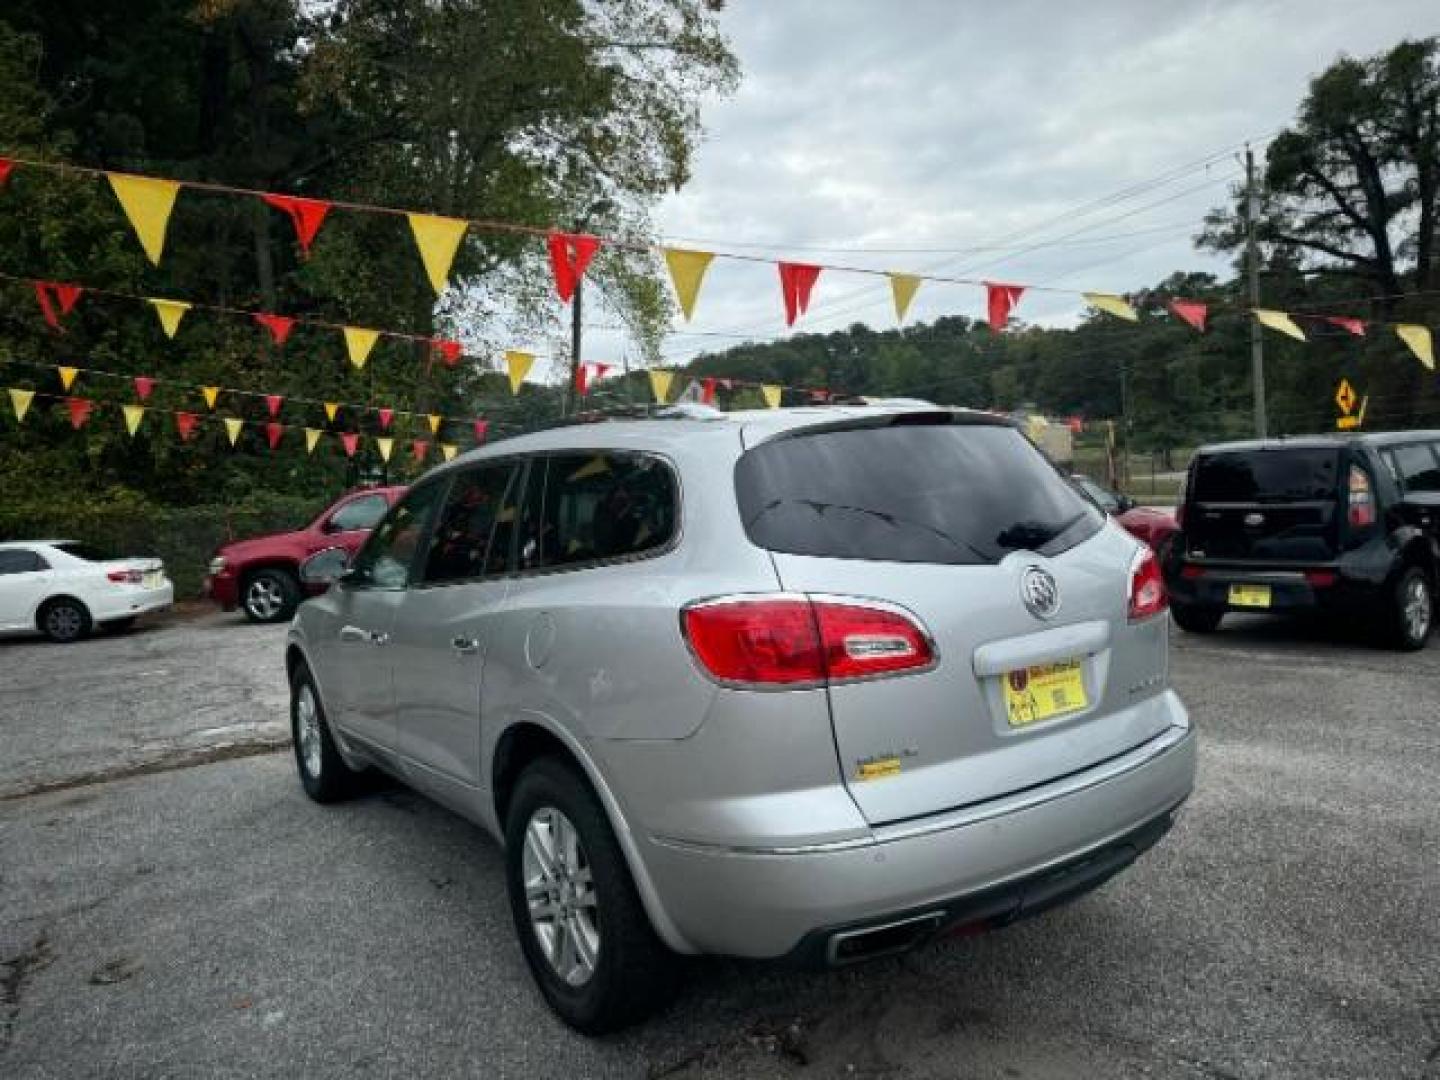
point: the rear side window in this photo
(472, 534)
(933, 492)
(363, 513)
(1419, 470)
(1258, 476)
(595, 506)
(21, 562)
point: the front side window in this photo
(385, 560)
(362, 513)
(21, 562)
(472, 534)
(593, 506)
(1419, 470)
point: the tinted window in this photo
(1282, 475)
(1105, 499)
(363, 513)
(935, 492)
(83, 551)
(472, 533)
(21, 562)
(1419, 471)
(385, 560)
(597, 506)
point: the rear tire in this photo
(1196, 620)
(64, 620)
(573, 899)
(323, 772)
(1412, 610)
(270, 595)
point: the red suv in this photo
(262, 575)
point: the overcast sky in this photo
(947, 135)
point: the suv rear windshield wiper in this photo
(890, 519)
(1032, 535)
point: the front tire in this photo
(270, 596)
(64, 620)
(1196, 620)
(584, 932)
(1412, 610)
(323, 772)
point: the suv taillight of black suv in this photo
(1344, 524)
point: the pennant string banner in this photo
(1279, 322)
(438, 238)
(306, 214)
(147, 202)
(687, 271)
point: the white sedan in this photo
(63, 589)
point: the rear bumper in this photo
(128, 603)
(993, 862)
(1290, 591)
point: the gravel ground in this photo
(206, 920)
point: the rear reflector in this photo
(792, 641)
(1147, 586)
(1191, 572)
(1320, 579)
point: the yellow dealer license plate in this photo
(154, 578)
(1249, 595)
(1038, 693)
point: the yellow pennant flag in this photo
(147, 202)
(232, 428)
(170, 312)
(1420, 342)
(332, 408)
(359, 343)
(438, 238)
(312, 436)
(519, 365)
(687, 271)
(903, 287)
(435, 420)
(448, 450)
(21, 399)
(1278, 320)
(67, 376)
(660, 383)
(1112, 305)
(133, 415)
(212, 395)
(385, 445)
(772, 395)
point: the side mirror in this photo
(325, 567)
(1124, 504)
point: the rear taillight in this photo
(1321, 579)
(793, 641)
(1147, 587)
(1362, 504)
(126, 577)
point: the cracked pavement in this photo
(210, 921)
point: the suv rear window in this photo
(1260, 476)
(932, 491)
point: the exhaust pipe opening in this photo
(853, 946)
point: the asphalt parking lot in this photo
(172, 906)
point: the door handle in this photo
(354, 633)
(465, 645)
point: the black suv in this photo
(1332, 523)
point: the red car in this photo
(1146, 523)
(262, 575)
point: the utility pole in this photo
(1252, 260)
(574, 346)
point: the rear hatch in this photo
(1270, 504)
(945, 516)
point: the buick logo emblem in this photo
(1040, 593)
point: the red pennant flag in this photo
(79, 411)
(386, 416)
(143, 385)
(307, 214)
(185, 422)
(570, 254)
(350, 440)
(1192, 311)
(5, 166)
(796, 281)
(52, 294)
(272, 402)
(419, 449)
(707, 391)
(273, 432)
(586, 374)
(1000, 300)
(278, 325)
(1355, 326)
(449, 350)
(481, 426)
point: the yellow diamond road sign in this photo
(1345, 397)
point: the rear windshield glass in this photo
(1267, 476)
(83, 551)
(932, 492)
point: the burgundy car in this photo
(1146, 523)
(262, 575)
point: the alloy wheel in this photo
(560, 893)
(263, 599)
(63, 621)
(1417, 608)
(307, 730)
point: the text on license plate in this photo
(1045, 690)
(1250, 595)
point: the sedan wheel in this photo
(64, 621)
(561, 893)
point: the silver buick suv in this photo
(815, 684)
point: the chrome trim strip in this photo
(959, 819)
